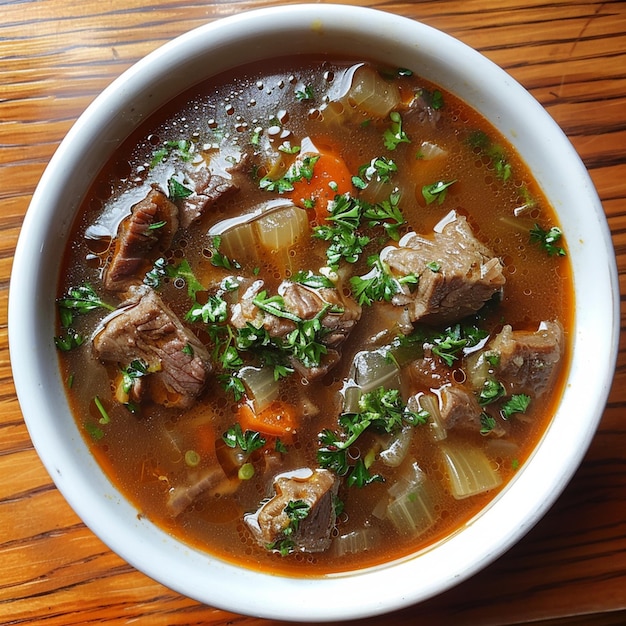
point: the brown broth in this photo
(142, 453)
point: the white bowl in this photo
(144, 88)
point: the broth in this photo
(255, 163)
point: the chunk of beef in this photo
(245, 312)
(528, 359)
(315, 491)
(457, 273)
(425, 108)
(144, 328)
(459, 408)
(209, 187)
(181, 496)
(341, 316)
(141, 238)
(340, 313)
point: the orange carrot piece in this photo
(276, 420)
(330, 177)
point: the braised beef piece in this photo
(245, 312)
(340, 315)
(424, 105)
(457, 273)
(428, 372)
(141, 238)
(144, 328)
(459, 408)
(181, 496)
(527, 360)
(209, 187)
(315, 493)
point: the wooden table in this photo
(56, 55)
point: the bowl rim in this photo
(64, 455)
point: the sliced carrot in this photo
(330, 177)
(277, 420)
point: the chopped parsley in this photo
(248, 441)
(381, 410)
(300, 170)
(395, 135)
(517, 403)
(296, 511)
(437, 191)
(176, 190)
(481, 142)
(548, 240)
(492, 391)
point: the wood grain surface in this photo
(56, 55)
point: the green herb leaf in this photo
(176, 190)
(436, 191)
(395, 135)
(548, 240)
(248, 442)
(492, 390)
(517, 403)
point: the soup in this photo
(314, 315)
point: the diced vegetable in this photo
(398, 447)
(370, 369)
(430, 403)
(374, 368)
(356, 541)
(330, 177)
(411, 509)
(361, 94)
(470, 470)
(278, 419)
(261, 386)
(280, 229)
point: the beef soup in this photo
(314, 315)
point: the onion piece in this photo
(470, 470)
(430, 403)
(370, 370)
(356, 541)
(398, 448)
(261, 387)
(429, 151)
(411, 509)
(364, 92)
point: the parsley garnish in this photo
(176, 190)
(394, 135)
(492, 390)
(300, 170)
(296, 511)
(183, 148)
(436, 191)
(345, 242)
(548, 239)
(386, 213)
(378, 169)
(135, 369)
(381, 409)
(221, 260)
(480, 141)
(305, 94)
(378, 284)
(487, 423)
(77, 301)
(248, 442)
(517, 403)
(154, 277)
(315, 281)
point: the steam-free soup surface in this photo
(314, 315)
